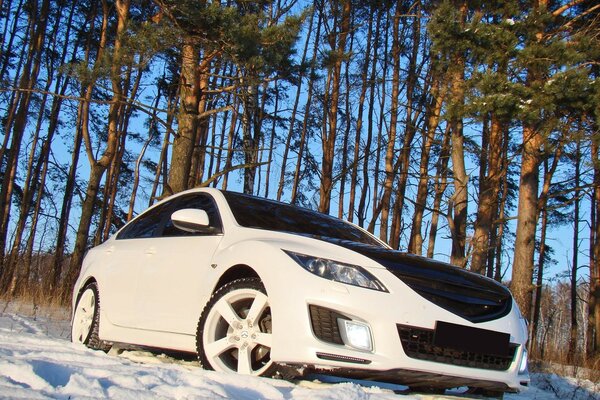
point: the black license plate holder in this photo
(469, 339)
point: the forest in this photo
(467, 131)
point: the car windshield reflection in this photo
(252, 212)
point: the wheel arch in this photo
(85, 284)
(237, 271)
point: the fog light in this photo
(356, 334)
(523, 363)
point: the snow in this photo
(38, 361)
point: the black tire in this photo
(212, 326)
(89, 338)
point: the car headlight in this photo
(337, 271)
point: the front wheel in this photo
(86, 319)
(235, 329)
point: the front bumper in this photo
(384, 313)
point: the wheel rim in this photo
(237, 333)
(84, 317)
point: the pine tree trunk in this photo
(250, 130)
(413, 112)
(543, 210)
(291, 133)
(272, 141)
(338, 46)
(307, 111)
(354, 184)
(366, 175)
(575, 262)
(390, 168)
(440, 185)
(593, 333)
(521, 285)
(539, 285)
(487, 206)
(437, 91)
(347, 128)
(495, 260)
(187, 121)
(161, 166)
(460, 198)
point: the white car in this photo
(260, 287)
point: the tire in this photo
(235, 330)
(86, 319)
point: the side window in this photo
(148, 224)
(200, 201)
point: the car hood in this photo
(469, 295)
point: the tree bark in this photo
(434, 109)
(575, 261)
(489, 185)
(291, 134)
(338, 47)
(440, 185)
(521, 284)
(460, 198)
(390, 169)
(593, 327)
(187, 120)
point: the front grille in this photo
(468, 295)
(419, 343)
(324, 324)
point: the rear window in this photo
(253, 212)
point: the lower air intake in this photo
(324, 324)
(419, 343)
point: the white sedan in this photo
(263, 288)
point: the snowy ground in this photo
(37, 361)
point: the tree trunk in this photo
(412, 116)
(390, 169)
(460, 198)
(338, 47)
(366, 175)
(521, 285)
(537, 308)
(593, 333)
(291, 133)
(250, 129)
(307, 111)
(187, 121)
(489, 184)
(347, 129)
(441, 183)
(359, 122)
(434, 109)
(575, 262)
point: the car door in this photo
(172, 276)
(123, 255)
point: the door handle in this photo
(150, 251)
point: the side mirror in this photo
(190, 220)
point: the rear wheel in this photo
(86, 319)
(235, 329)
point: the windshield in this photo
(253, 212)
